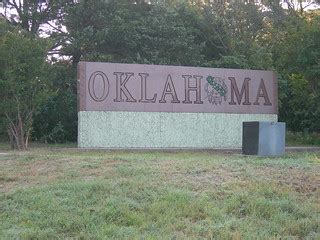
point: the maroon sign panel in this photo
(153, 88)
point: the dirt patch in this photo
(297, 179)
(301, 183)
(197, 178)
(103, 169)
(200, 178)
(26, 174)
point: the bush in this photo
(56, 121)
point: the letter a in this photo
(262, 92)
(170, 90)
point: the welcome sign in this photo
(150, 106)
(151, 88)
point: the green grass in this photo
(5, 146)
(303, 139)
(59, 194)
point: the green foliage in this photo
(232, 62)
(299, 138)
(23, 86)
(299, 101)
(22, 63)
(3, 130)
(30, 15)
(296, 56)
(56, 120)
(132, 33)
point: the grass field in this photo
(58, 194)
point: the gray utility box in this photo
(263, 138)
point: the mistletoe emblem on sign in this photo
(216, 90)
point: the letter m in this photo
(239, 95)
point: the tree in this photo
(235, 35)
(56, 119)
(295, 47)
(39, 18)
(30, 15)
(122, 31)
(22, 85)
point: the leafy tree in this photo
(56, 120)
(308, 57)
(295, 48)
(119, 31)
(30, 15)
(236, 36)
(22, 86)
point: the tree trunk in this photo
(18, 137)
(11, 139)
(21, 132)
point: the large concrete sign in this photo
(131, 105)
